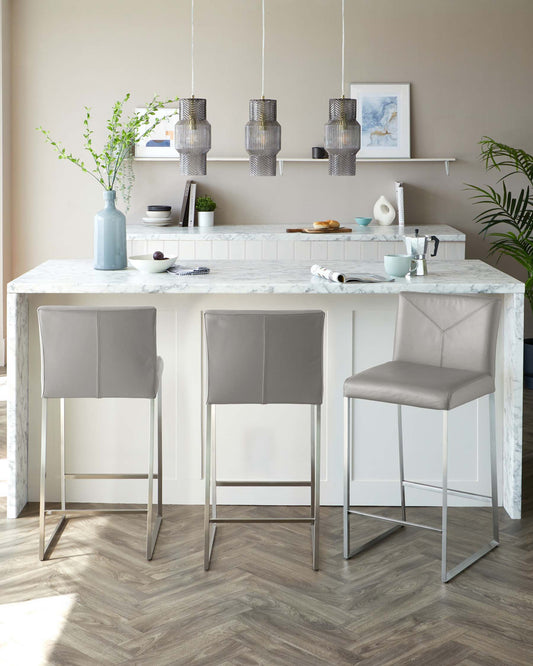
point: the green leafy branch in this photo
(113, 165)
(506, 208)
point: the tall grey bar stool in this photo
(89, 352)
(263, 357)
(444, 356)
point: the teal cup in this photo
(399, 265)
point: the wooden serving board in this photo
(338, 230)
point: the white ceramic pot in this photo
(384, 212)
(206, 218)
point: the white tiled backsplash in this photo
(319, 250)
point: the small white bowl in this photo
(147, 264)
(158, 213)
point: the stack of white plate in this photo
(158, 216)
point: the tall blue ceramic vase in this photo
(110, 236)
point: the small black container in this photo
(528, 363)
(319, 153)
(164, 208)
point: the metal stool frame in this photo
(446, 575)
(152, 531)
(211, 484)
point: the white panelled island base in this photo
(256, 441)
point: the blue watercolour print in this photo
(379, 125)
(158, 143)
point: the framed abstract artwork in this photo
(160, 143)
(383, 112)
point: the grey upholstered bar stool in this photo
(263, 357)
(444, 356)
(89, 352)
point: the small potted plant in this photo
(512, 210)
(205, 207)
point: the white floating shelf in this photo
(445, 160)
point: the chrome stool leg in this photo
(347, 475)
(494, 542)
(493, 469)
(400, 457)
(315, 482)
(42, 489)
(62, 428)
(444, 534)
(152, 532)
(209, 529)
(348, 439)
(160, 454)
(45, 546)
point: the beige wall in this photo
(469, 63)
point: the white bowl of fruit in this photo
(152, 263)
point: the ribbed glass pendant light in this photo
(342, 134)
(263, 132)
(192, 131)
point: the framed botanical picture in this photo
(383, 112)
(160, 142)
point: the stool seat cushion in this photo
(418, 385)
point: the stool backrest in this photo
(89, 352)
(452, 331)
(264, 357)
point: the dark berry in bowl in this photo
(158, 255)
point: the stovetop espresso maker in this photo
(417, 247)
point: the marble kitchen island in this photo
(359, 333)
(258, 242)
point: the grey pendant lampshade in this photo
(192, 136)
(342, 136)
(263, 137)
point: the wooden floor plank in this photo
(261, 603)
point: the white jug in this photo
(384, 212)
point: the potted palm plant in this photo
(507, 218)
(112, 168)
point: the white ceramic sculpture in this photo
(384, 212)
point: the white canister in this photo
(206, 218)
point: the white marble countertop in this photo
(261, 277)
(372, 232)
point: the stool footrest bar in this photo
(237, 484)
(451, 491)
(470, 560)
(394, 520)
(71, 512)
(108, 476)
(153, 538)
(56, 533)
(262, 520)
(373, 542)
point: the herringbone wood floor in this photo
(261, 603)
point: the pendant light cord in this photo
(263, 51)
(342, 59)
(192, 48)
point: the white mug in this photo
(399, 265)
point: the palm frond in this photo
(497, 155)
(507, 217)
